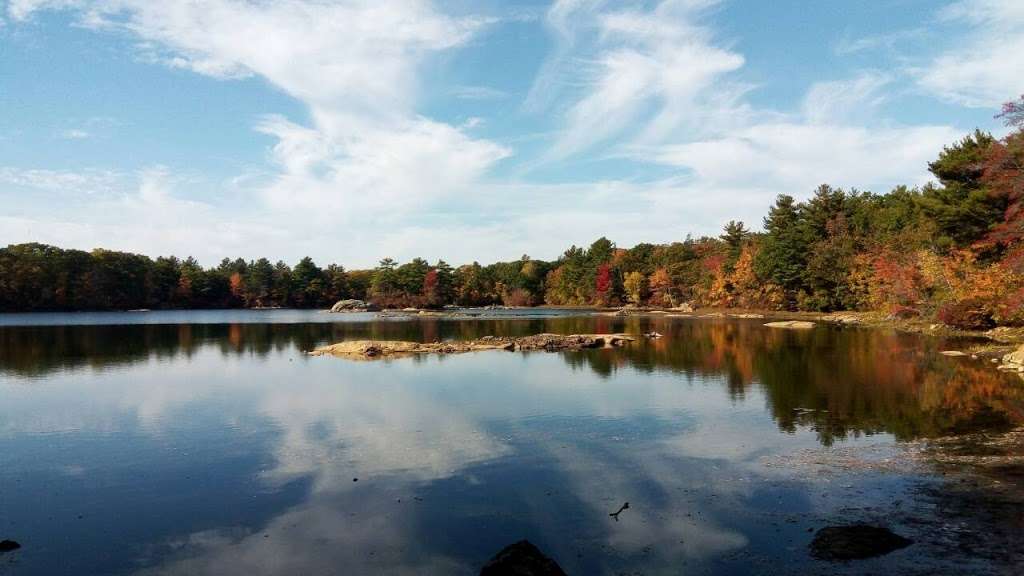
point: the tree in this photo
(259, 280)
(783, 257)
(660, 285)
(308, 286)
(735, 235)
(1012, 113)
(600, 251)
(337, 284)
(603, 284)
(961, 206)
(385, 285)
(635, 286)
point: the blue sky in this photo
(351, 130)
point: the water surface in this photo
(208, 443)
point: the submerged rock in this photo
(8, 546)
(521, 559)
(374, 349)
(855, 541)
(792, 324)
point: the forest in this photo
(952, 250)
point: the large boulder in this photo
(521, 559)
(351, 306)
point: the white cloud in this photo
(794, 158)
(367, 154)
(983, 68)
(652, 70)
(125, 212)
(662, 89)
(845, 100)
(368, 176)
(66, 181)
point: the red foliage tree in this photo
(431, 292)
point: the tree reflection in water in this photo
(840, 382)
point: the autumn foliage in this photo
(951, 251)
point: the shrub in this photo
(966, 315)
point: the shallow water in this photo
(208, 443)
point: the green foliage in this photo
(961, 206)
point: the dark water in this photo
(207, 443)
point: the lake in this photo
(209, 443)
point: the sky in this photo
(470, 130)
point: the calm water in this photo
(208, 443)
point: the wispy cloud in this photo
(841, 101)
(68, 181)
(984, 67)
(478, 93)
(890, 41)
(354, 64)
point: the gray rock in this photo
(351, 306)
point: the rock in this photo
(747, 315)
(352, 306)
(375, 349)
(792, 324)
(842, 318)
(1014, 361)
(684, 307)
(8, 546)
(521, 559)
(855, 541)
(1015, 358)
(953, 353)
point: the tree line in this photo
(950, 250)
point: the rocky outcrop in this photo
(521, 559)
(352, 306)
(855, 542)
(792, 325)
(377, 349)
